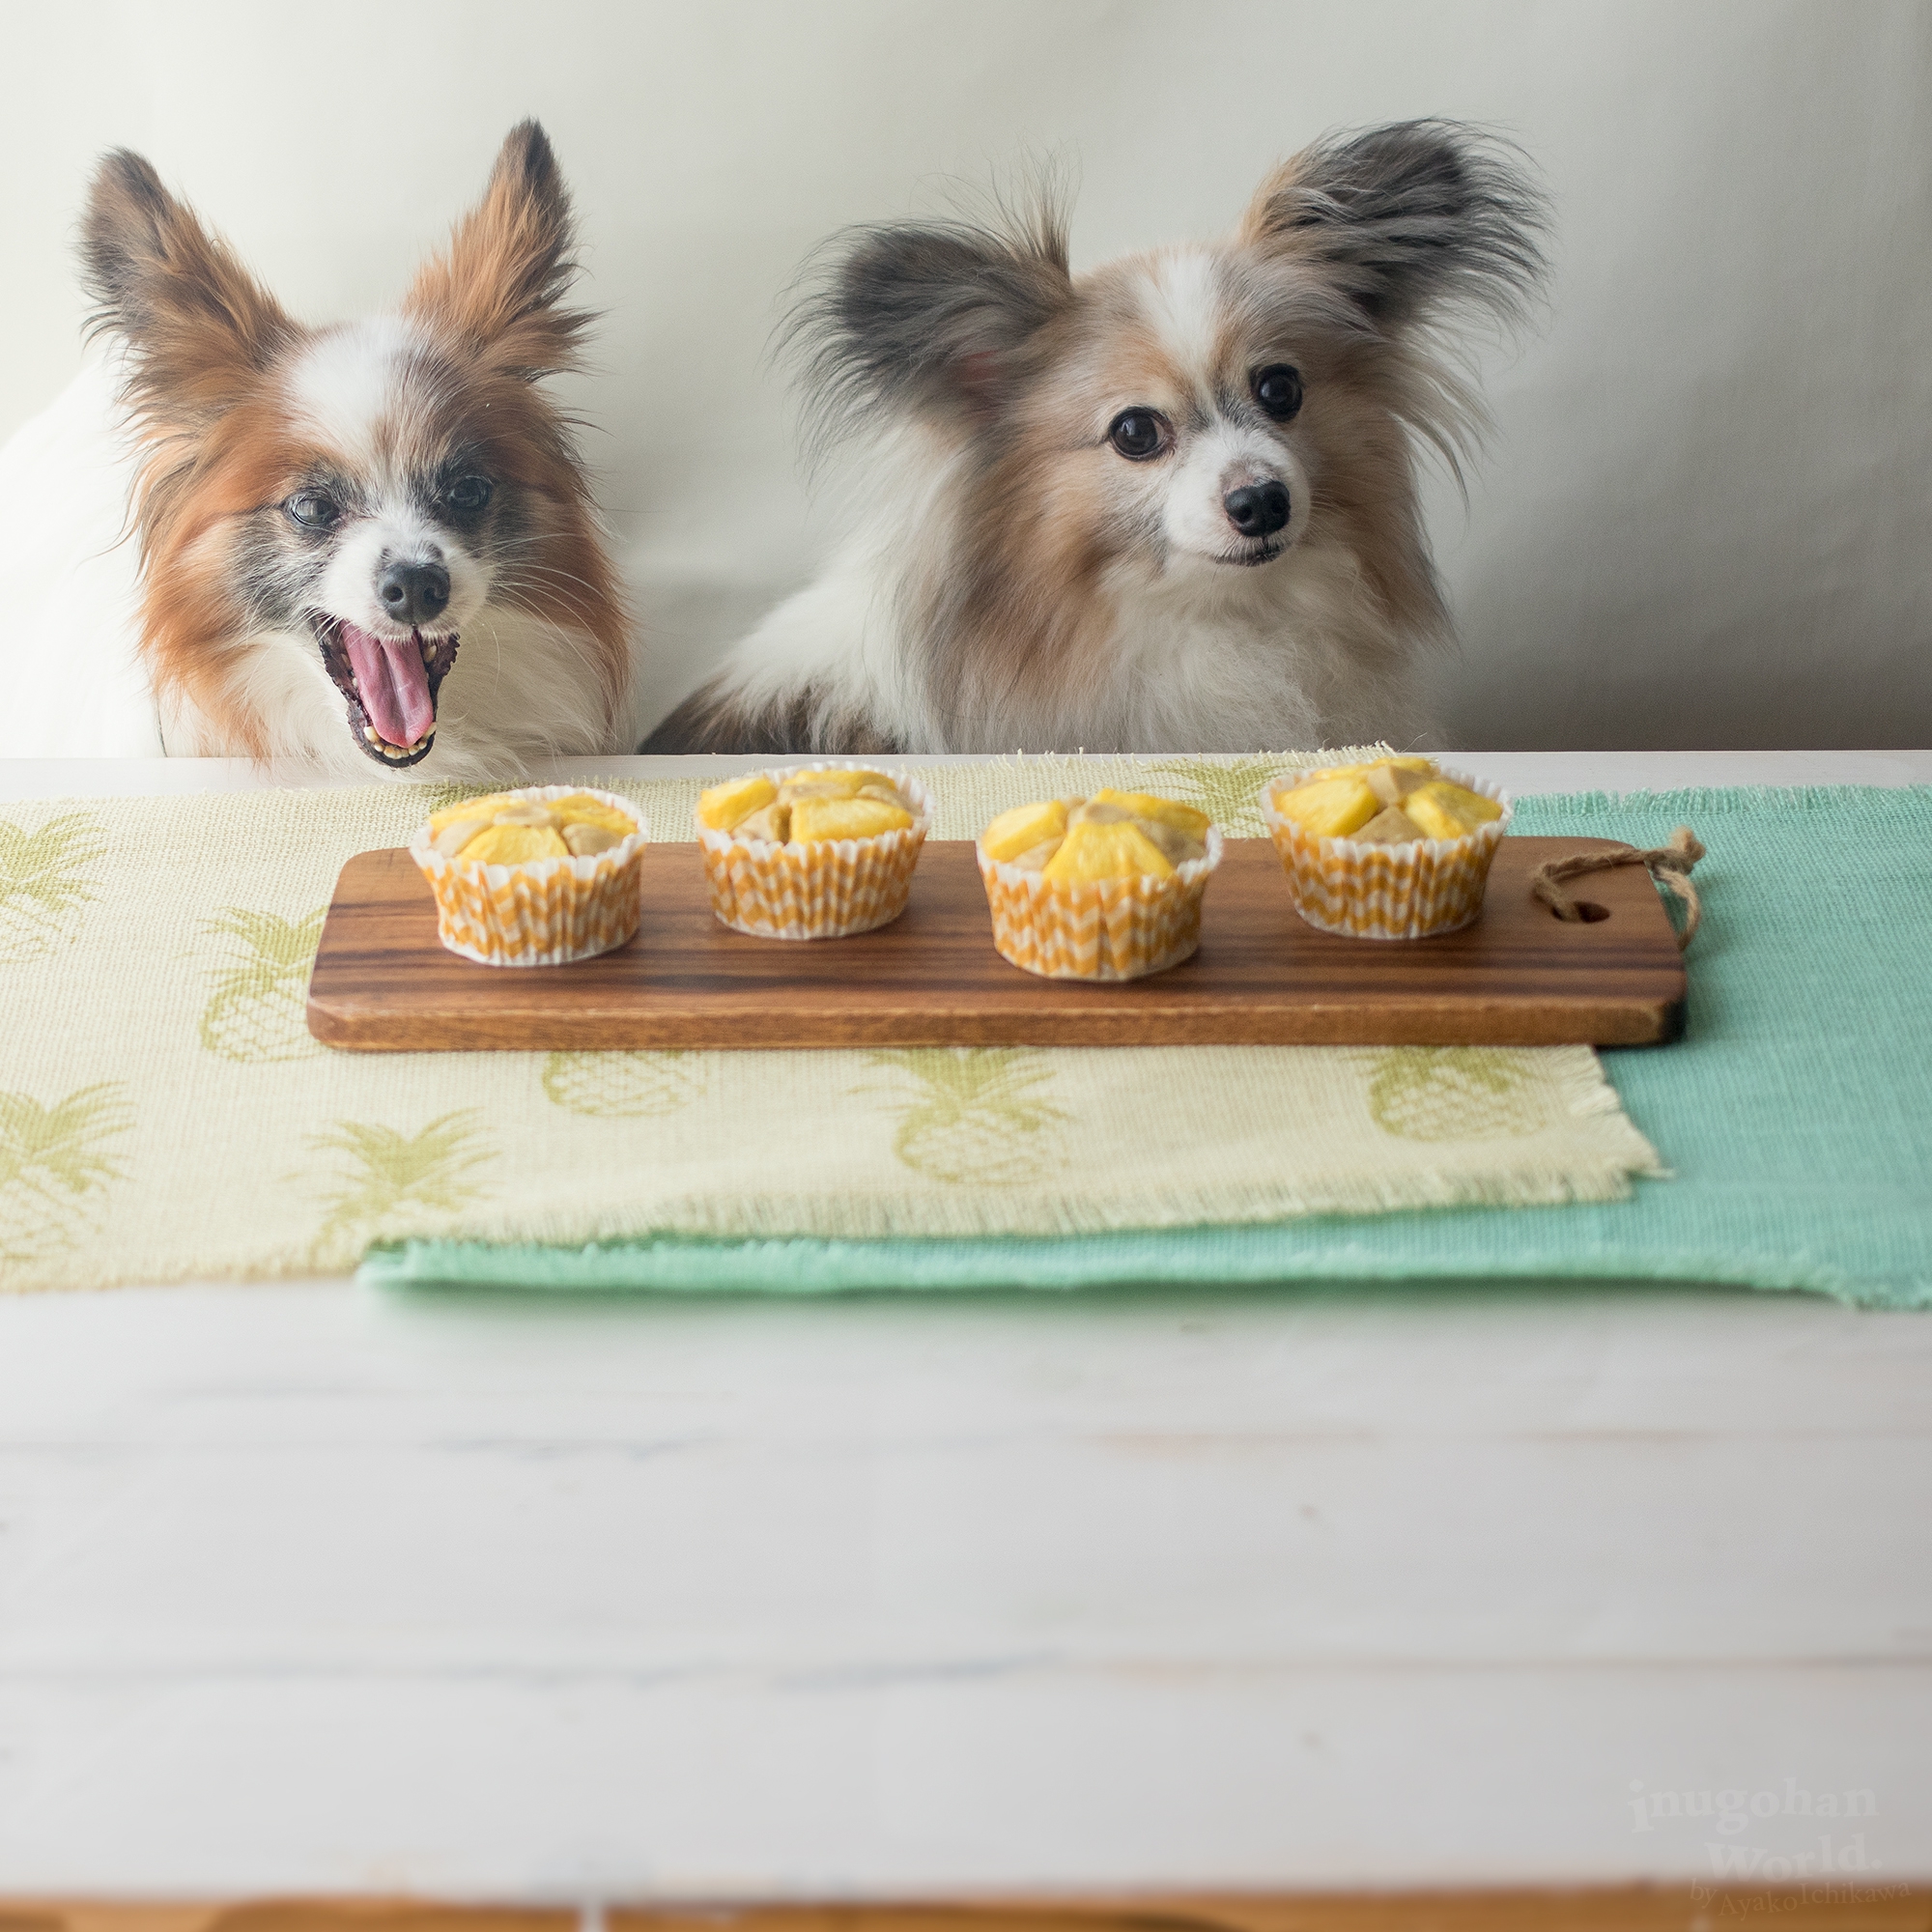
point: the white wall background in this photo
(1703, 520)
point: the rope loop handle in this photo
(1669, 864)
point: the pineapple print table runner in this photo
(164, 1114)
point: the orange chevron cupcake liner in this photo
(829, 889)
(1367, 891)
(545, 912)
(1100, 928)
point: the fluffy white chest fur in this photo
(1297, 658)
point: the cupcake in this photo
(1101, 888)
(536, 877)
(813, 851)
(1396, 849)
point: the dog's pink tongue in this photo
(389, 675)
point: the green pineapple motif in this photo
(44, 887)
(975, 1115)
(624, 1086)
(1455, 1093)
(1229, 794)
(55, 1170)
(254, 1010)
(388, 1172)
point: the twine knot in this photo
(1669, 864)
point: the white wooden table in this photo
(304, 1590)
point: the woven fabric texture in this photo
(1795, 1114)
(164, 1114)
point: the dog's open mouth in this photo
(1252, 556)
(390, 685)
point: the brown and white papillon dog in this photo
(328, 517)
(1168, 505)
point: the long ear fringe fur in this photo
(1419, 221)
(188, 316)
(882, 315)
(1430, 226)
(500, 280)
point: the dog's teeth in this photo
(395, 754)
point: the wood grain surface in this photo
(1842, 1906)
(1519, 976)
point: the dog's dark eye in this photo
(1278, 390)
(1138, 434)
(312, 510)
(469, 492)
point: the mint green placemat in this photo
(1795, 1114)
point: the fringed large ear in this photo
(199, 327)
(928, 318)
(1408, 221)
(498, 285)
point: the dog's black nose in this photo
(414, 594)
(1256, 509)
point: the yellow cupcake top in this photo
(1113, 834)
(1390, 802)
(806, 808)
(512, 829)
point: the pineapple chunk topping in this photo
(817, 820)
(772, 822)
(1336, 807)
(505, 831)
(514, 845)
(1023, 828)
(1107, 849)
(1392, 802)
(1445, 811)
(483, 810)
(832, 784)
(1161, 811)
(1423, 767)
(806, 808)
(458, 833)
(724, 808)
(582, 810)
(1113, 834)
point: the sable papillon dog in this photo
(1169, 506)
(368, 542)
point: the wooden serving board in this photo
(1519, 976)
